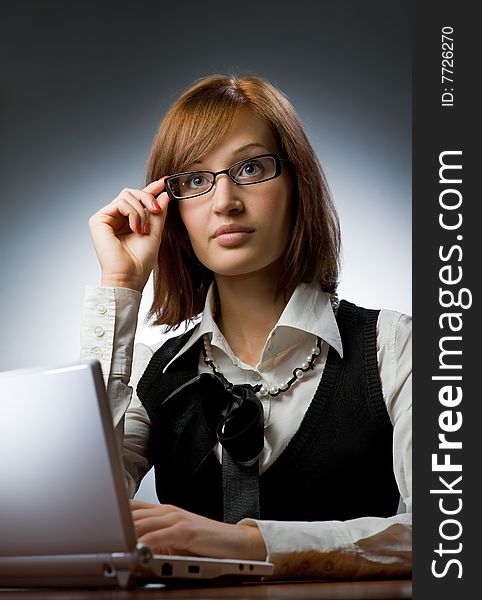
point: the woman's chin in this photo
(243, 269)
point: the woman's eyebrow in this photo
(248, 146)
(236, 152)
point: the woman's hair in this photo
(194, 124)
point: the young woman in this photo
(279, 425)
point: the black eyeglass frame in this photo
(278, 160)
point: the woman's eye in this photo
(250, 169)
(197, 181)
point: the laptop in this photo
(65, 519)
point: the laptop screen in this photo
(61, 484)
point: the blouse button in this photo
(99, 331)
(101, 309)
(96, 351)
(329, 566)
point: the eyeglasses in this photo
(245, 172)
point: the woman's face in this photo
(260, 212)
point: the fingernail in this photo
(147, 228)
(139, 228)
(155, 204)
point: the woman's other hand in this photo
(167, 529)
(127, 234)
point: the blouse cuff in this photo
(109, 321)
(297, 551)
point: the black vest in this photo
(337, 466)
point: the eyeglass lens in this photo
(251, 170)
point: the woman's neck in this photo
(248, 312)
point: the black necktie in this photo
(237, 415)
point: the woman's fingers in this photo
(159, 204)
(136, 206)
(168, 529)
(140, 198)
(155, 187)
(153, 524)
(135, 504)
(143, 510)
(128, 206)
(150, 523)
(127, 233)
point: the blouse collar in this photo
(308, 310)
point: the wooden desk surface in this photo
(340, 590)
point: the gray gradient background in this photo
(85, 84)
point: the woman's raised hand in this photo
(127, 234)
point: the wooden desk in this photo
(343, 590)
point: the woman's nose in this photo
(226, 196)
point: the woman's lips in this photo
(232, 235)
(232, 239)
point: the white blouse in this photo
(364, 547)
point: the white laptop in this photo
(64, 512)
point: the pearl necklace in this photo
(274, 391)
(263, 391)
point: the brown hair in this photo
(194, 124)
